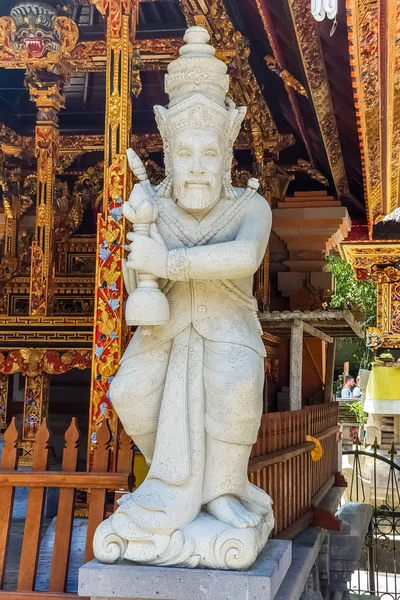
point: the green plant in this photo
(362, 355)
(359, 294)
(338, 384)
(358, 410)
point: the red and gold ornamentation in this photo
(374, 45)
(34, 361)
(49, 101)
(3, 400)
(36, 404)
(37, 364)
(380, 262)
(109, 328)
(310, 47)
(116, 10)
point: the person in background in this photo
(348, 384)
(357, 390)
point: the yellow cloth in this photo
(317, 451)
(384, 383)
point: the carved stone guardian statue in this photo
(189, 391)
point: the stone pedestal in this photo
(130, 580)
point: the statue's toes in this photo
(257, 499)
(229, 510)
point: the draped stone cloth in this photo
(197, 386)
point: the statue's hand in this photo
(136, 203)
(148, 254)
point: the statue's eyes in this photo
(211, 153)
(184, 153)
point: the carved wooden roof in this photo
(303, 74)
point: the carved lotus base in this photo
(206, 542)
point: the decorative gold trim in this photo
(314, 66)
(374, 30)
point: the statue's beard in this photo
(196, 198)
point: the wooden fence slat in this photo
(63, 479)
(281, 464)
(15, 595)
(281, 459)
(9, 460)
(65, 514)
(34, 515)
(125, 464)
(98, 496)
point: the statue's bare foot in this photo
(229, 510)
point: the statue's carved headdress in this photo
(197, 84)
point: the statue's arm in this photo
(228, 260)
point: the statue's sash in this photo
(180, 433)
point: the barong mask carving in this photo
(34, 29)
(37, 31)
(189, 388)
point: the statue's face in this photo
(197, 168)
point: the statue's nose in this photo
(196, 167)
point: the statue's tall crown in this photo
(197, 71)
(197, 84)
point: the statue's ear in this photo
(237, 117)
(161, 120)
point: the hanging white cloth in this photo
(324, 8)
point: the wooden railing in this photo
(281, 464)
(98, 482)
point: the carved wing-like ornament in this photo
(69, 211)
(68, 33)
(7, 27)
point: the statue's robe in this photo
(202, 373)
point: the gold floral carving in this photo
(288, 78)
(380, 262)
(47, 96)
(363, 255)
(385, 274)
(41, 215)
(317, 79)
(3, 400)
(374, 38)
(109, 328)
(304, 166)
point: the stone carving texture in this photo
(189, 391)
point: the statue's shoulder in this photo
(255, 202)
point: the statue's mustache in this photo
(197, 182)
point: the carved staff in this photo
(146, 304)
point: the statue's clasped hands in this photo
(147, 250)
(148, 254)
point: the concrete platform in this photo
(129, 580)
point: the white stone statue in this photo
(189, 390)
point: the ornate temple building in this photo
(77, 84)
